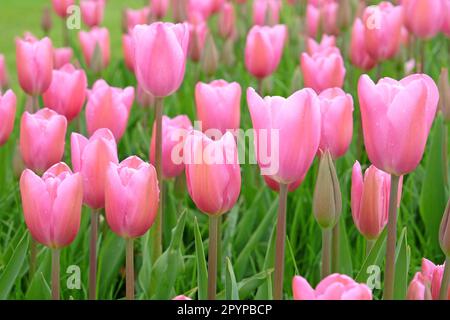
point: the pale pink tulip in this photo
(358, 52)
(426, 284)
(266, 12)
(327, 42)
(424, 18)
(8, 103)
(135, 17)
(92, 12)
(181, 297)
(95, 42)
(227, 21)
(322, 16)
(61, 56)
(158, 8)
(198, 33)
(128, 51)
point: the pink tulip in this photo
(67, 92)
(333, 287)
(174, 133)
(90, 40)
(424, 18)
(108, 107)
(216, 5)
(218, 105)
(312, 20)
(135, 17)
(213, 174)
(144, 98)
(158, 8)
(275, 186)
(52, 205)
(198, 33)
(181, 297)
(91, 157)
(61, 56)
(263, 49)
(160, 56)
(266, 12)
(327, 42)
(322, 15)
(34, 64)
(131, 197)
(199, 9)
(336, 109)
(287, 129)
(426, 284)
(42, 139)
(128, 51)
(329, 16)
(323, 70)
(60, 7)
(92, 12)
(227, 21)
(8, 103)
(358, 52)
(382, 30)
(392, 112)
(446, 23)
(3, 73)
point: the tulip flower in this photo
(135, 17)
(359, 56)
(227, 21)
(322, 16)
(8, 103)
(213, 178)
(446, 23)
(266, 12)
(42, 139)
(46, 20)
(67, 92)
(108, 107)
(61, 56)
(218, 105)
(392, 112)
(131, 203)
(323, 70)
(326, 43)
(382, 30)
(3, 73)
(52, 210)
(174, 133)
(128, 51)
(158, 8)
(181, 297)
(95, 48)
(210, 57)
(444, 241)
(34, 65)
(444, 95)
(424, 18)
(92, 12)
(291, 128)
(197, 41)
(334, 287)
(179, 10)
(426, 284)
(61, 6)
(199, 9)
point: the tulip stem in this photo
(335, 248)
(157, 241)
(326, 252)
(260, 86)
(130, 269)
(422, 56)
(389, 275)
(65, 34)
(55, 273)
(93, 254)
(445, 280)
(212, 255)
(369, 246)
(280, 243)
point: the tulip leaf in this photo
(374, 258)
(248, 285)
(401, 267)
(265, 290)
(12, 269)
(36, 290)
(345, 259)
(202, 272)
(144, 276)
(231, 287)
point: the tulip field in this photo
(224, 150)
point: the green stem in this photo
(130, 269)
(212, 256)
(422, 56)
(369, 246)
(326, 252)
(389, 277)
(95, 215)
(65, 33)
(55, 274)
(261, 86)
(443, 294)
(335, 248)
(280, 243)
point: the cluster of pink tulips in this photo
(315, 122)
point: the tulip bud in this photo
(197, 40)
(327, 193)
(228, 56)
(344, 14)
(444, 94)
(210, 58)
(95, 46)
(179, 10)
(7, 114)
(3, 74)
(444, 231)
(296, 82)
(46, 21)
(61, 57)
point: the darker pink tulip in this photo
(92, 12)
(263, 49)
(392, 112)
(446, 23)
(128, 51)
(131, 197)
(227, 21)
(61, 56)
(91, 157)
(42, 139)
(67, 92)
(158, 8)
(287, 133)
(197, 40)
(218, 105)
(95, 42)
(8, 103)
(135, 17)
(160, 56)
(34, 64)
(174, 133)
(359, 56)
(181, 297)
(333, 287)
(213, 174)
(424, 18)
(327, 42)
(336, 109)
(60, 7)
(52, 205)
(426, 284)
(108, 107)
(266, 12)
(3, 73)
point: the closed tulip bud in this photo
(128, 51)
(34, 64)
(359, 56)
(213, 174)
(52, 205)
(424, 18)
(42, 139)
(179, 10)
(446, 23)
(227, 21)
(91, 157)
(444, 231)
(266, 12)
(108, 107)
(198, 9)
(218, 105)
(61, 6)
(46, 20)
(327, 42)
(3, 73)
(333, 287)
(392, 112)
(174, 133)
(323, 70)
(95, 48)
(228, 57)
(344, 15)
(444, 94)
(312, 20)
(7, 114)
(263, 49)
(131, 197)
(160, 56)
(291, 128)
(210, 56)
(135, 17)
(158, 8)
(92, 12)
(61, 57)
(197, 40)
(67, 92)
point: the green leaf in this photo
(231, 287)
(345, 259)
(375, 257)
(265, 290)
(145, 272)
(401, 267)
(202, 272)
(10, 273)
(36, 290)
(248, 285)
